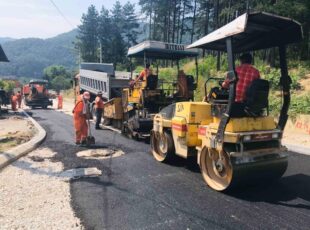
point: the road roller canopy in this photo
(161, 50)
(253, 31)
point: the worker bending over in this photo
(99, 104)
(246, 74)
(81, 113)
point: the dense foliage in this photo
(59, 78)
(300, 97)
(7, 85)
(108, 35)
(182, 21)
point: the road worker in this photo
(81, 113)
(60, 101)
(13, 102)
(99, 104)
(246, 73)
(182, 85)
(19, 99)
(147, 71)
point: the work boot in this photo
(77, 142)
(83, 143)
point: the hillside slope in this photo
(28, 57)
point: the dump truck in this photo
(95, 77)
(36, 94)
(232, 150)
(131, 107)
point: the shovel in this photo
(90, 140)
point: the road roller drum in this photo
(222, 170)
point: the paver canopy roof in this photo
(3, 57)
(38, 81)
(253, 31)
(161, 50)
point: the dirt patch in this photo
(297, 132)
(15, 130)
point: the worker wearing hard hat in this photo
(147, 71)
(81, 113)
(19, 99)
(99, 104)
(60, 101)
(14, 102)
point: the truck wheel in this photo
(128, 132)
(162, 146)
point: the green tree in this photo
(130, 24)
(60, 83)
(59, 78)
(88, 35)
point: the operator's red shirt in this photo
(246, 74)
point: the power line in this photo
(61, 14)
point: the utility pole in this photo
(100, 52)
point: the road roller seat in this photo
(191, 85)
(151, 82)
(257, 98)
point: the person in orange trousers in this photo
(19, 99)
(80, 114)
(13, 102)
(60, 100)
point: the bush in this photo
(300, 104)
(7, 85)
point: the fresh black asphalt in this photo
(137, 192)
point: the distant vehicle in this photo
(36, 94)
(4, 97)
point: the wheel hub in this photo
(162, 144)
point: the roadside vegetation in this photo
(7, 85)
(298, 71)
(59, 77)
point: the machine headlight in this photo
(247, 138)
(275, 135)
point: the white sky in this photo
(39, 18)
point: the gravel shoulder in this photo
(33, 194)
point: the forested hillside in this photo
(28, 57)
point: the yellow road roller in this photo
(232, 149)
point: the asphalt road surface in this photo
(137, 192)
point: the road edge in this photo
(297, 149)
(15, 153)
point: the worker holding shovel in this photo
(81, 115)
